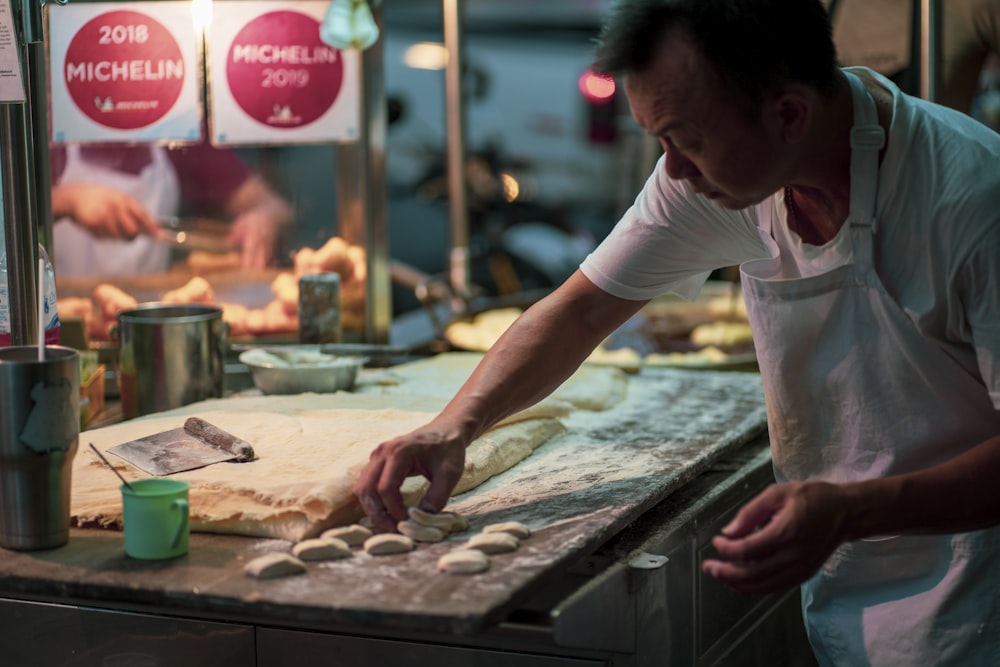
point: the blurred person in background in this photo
(884, 35)
(108, 201)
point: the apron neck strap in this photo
(867, 139)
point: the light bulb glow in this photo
(596, 87)
(201, 12)
(426, 55)
(511, 188)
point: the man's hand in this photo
(104, 212)
(428, 451)
(780, 538)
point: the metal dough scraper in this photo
(195, 445)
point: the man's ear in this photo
(791, 114)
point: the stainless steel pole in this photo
(930, 49)
(362, 192)
(455, 118)
(374, 138)
(19, 173)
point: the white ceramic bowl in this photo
(295, 371)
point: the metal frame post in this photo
(930, 49)
(26, 202)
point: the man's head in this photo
(756, 47)
(733, 89)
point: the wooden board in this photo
(575, 492)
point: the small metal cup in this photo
(319, 308)
(39, 435)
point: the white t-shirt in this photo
(937, 246)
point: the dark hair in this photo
(756, 46)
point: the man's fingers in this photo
(394, 472)
(439, 491)
(753, 577)
(366, 489)
(754, 514)
(761, 544)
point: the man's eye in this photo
(684, 145)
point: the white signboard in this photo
(11, 85)
(124, 72)
(272, 80)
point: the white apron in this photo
(855, 392)
(156, 187)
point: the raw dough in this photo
(482, 331)
(705, 356)
(322, 548)
(591, 387)
(354, 535)
(503, 448)
(443, 521)
(420, 533)
(274, 565)
(465, 561)
(515, 528)
(493, 543)
(459, 522)
(302, 480)
(722, 333)
(388, 543)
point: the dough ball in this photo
(459, 522)
(494, 543)
(388, 543)
(443, 521)
(515, 528)
(722, 333)
(465, 561)
(321, 548)
(420, 533)
(355, 534)
(274, 565)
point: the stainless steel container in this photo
(169, 355)
(39, 436)
(319, 308)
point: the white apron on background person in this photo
(855, 392)
(156, 188)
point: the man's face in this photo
(709, 140)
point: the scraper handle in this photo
(215, 436)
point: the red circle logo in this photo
(124, 70)
(281, 73)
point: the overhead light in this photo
(596, 87)
(426, 55)
(349, 24)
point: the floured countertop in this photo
(575, 493)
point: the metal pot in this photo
(169, 355)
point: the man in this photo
(106, 201)
(867, 224)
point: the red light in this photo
(596, 87)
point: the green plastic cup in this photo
(155, 515)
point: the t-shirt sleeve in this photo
(208, 176)
(670, 240)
